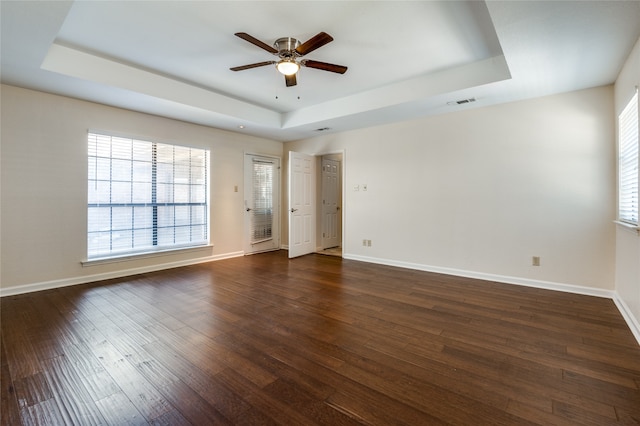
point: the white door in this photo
(261, 203)
(302, 216)
(331, 215)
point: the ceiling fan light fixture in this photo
(288, 66)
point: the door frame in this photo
(316, 194)
(277, 203)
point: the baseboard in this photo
(628, 316)
(548, 285)
(48, 285)
(626, 313)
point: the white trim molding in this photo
(151, 254)
(628, 227)
(65, 282)
(626, 313)
(548, 285)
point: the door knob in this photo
(293, 210)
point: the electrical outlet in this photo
(368, 243)
(356, 188)
(535, 261)
(364, 243)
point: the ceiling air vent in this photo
(322, 129)
(462, 101)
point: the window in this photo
(628, 163)
(145, 196)
(262, 212)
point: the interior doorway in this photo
(330, 205)
(315, 208)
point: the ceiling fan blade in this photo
(290, 80)
(256, 65)
(313, 43)
(340, 69)
(256, 42)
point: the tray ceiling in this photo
(405, 59)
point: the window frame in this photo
(197, 181)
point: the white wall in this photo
(628, 241)
(479, 192)
(44, 186)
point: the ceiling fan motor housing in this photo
(286, 47)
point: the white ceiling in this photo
(406, 59)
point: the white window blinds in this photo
(262, 212)
(628, 162)
(145, 196)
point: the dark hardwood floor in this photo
(265, 340)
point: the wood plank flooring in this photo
(264, 340)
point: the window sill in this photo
(131, 257)
(628, 227)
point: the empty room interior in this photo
(334, 213)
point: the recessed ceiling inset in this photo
(406, 59)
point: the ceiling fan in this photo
(289, 50)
